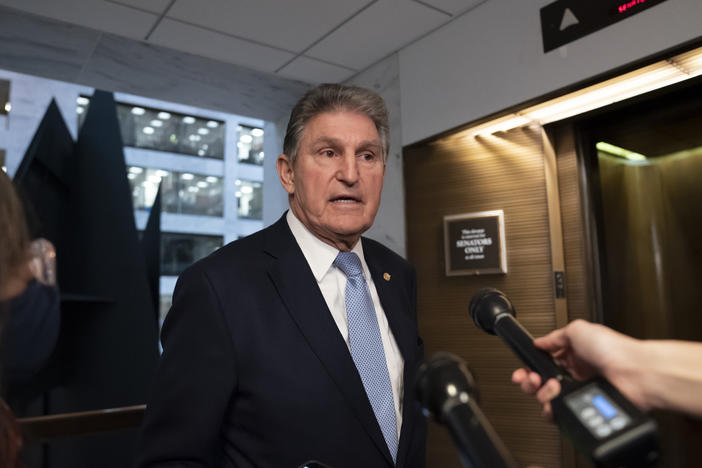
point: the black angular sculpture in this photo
(151, 246)
(107, 349)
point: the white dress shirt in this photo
(332, 283)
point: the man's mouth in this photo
(345, 199)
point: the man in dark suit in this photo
(298, 342)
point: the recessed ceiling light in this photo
(257, 132)
(148, 130)
(203, 131)
(187, 176)
(213, 124)
(8, 107)
(194, 137)
(202, 184)
(246, 138)
(164, 115)
(211, 179)
(188, 120)
(80, 110)
(193, 189)
(138, 110)
(136, 170)
(246, 189)
(156, 123)
(82, 101)
(162, 173)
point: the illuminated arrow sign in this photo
(564, 21)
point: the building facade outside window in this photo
(250, 145)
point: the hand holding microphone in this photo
(602, 423)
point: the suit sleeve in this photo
(194, 381)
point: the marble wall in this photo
(389, 227)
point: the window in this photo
(5, 105)
(181, 192)
(156, 129)
(250, 145)
(178, 251)
(249, 197)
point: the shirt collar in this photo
(319, 255)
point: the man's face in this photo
(337, 178)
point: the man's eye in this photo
(328, 153)
(368, 156)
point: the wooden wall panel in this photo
(460, 175)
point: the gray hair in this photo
(336, 97)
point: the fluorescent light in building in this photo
(211, 179)
(162, 173)
(193, 189)
(246, 189)
(646, 79)
(202, 184)
(164, 115)
(257, 132)
(245, 138)
(188, 120)
(194, 137)
(619, 152)
(203, 131)
(187, 176)
(80, 110)
(131, 176)
(82, 101)
(156, 123)
(8, 107)
(136, 170)
(138, 110)
(213, 124)
(148, 130)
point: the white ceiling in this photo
(309, 40)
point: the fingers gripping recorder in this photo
(599, 420)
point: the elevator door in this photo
(646, 179)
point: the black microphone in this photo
(603, 424)
(446, 390)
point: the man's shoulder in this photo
(377, 254)
(244, 254)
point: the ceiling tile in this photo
(154, 6)
(453, 7)
(378, 31)
(291, 26)
(313, 71)
(101, 15)
(177, 35)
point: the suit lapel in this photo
(301, 296)
(392, 296)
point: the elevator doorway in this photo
(644, 168)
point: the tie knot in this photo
(349, 263)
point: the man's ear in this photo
(286, 173)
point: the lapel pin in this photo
(386, 276)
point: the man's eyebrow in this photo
(371, 145)
(324, 140)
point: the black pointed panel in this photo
(151, 246)
(109, 334)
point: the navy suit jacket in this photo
(255, 372)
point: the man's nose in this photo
(347, 171)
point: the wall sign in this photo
(474, 243)
(564, 21)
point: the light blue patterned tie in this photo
(367, 347)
